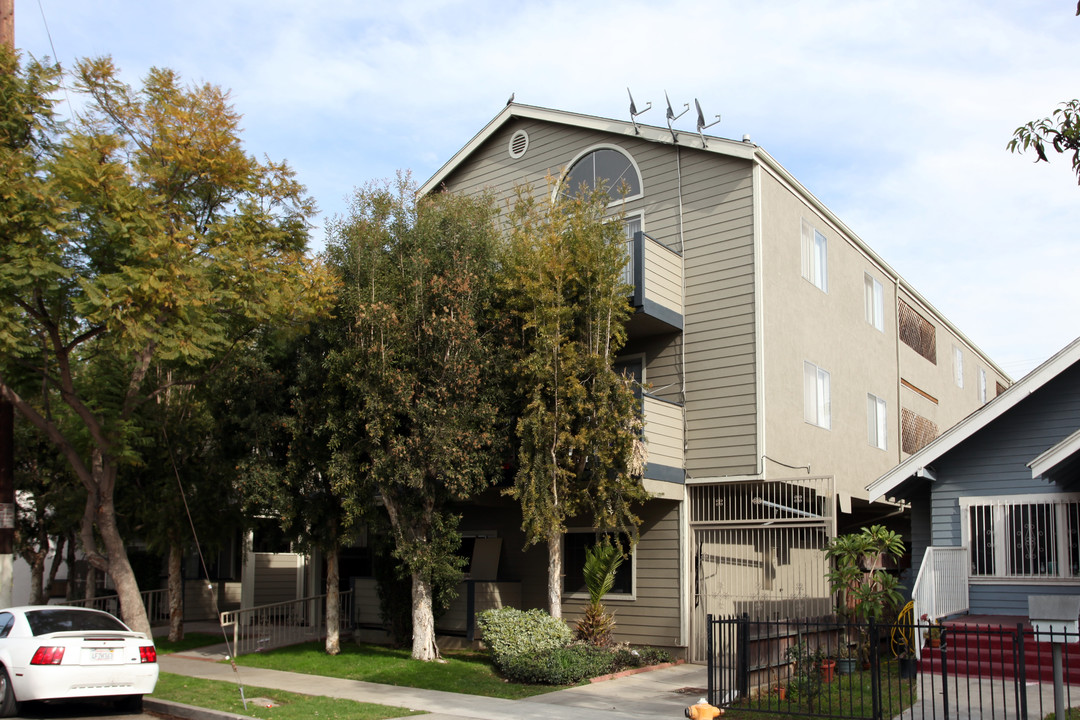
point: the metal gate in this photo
(759, 550)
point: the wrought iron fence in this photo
(156, 603)
(858, 671)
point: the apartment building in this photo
(785, 366)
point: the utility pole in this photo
(7, 412)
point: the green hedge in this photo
(532, 647)
(560, 666)
(509, 632)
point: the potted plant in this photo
(806, 676)
(828, 668)
(933, 635)
(863, 588)
(847, 659)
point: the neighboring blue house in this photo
(995, 500)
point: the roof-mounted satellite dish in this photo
(672, 117)
(701, 123)
(634, 111)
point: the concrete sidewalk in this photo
(654, 694)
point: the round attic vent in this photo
(519, 143)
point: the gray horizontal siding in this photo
(714, 219)
(652, 617)
(994, 460)
(1001, 599)
(721, 408)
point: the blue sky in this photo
(895, 114)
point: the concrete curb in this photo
(187, 712)
(635, 671)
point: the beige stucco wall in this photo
(829, 329)
(802, 323)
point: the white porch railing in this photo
(941, 587)
(156, 603)
(284, 623)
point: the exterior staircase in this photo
(990, 647)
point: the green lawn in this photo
(463, 672)
(218, 695)
(190, 641)
(846, 695)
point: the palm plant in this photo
(601, 562)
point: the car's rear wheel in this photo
(8, 705)
(129, 703)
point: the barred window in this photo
(917, 332)
(1036, 538)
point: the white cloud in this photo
(895, 114)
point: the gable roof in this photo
(1061, 458)
(721, 146)
(916, 464)
(745, 150)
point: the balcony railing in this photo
(665, 438)
(655, 272)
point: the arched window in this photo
(617, 172)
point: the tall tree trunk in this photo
(423, 620)
(423, 617)
(555, 573)
(54, 567)
(115, 560)
(333, 601)
(37, 575)
(176, 593)
(90, 583)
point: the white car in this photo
(51, 652)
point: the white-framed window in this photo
(982, 386)
(815, 256)
(877, 426)
(607, 164)
(875, 301)
(958, 365)
(575, 542)
(1028, 536)
(817, 407)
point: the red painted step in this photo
(988, 651)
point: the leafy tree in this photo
(1061, 131)
(143, 235)
(865, 590)
(415, 425)
(184, 482)
(287, 475)
(579, 430)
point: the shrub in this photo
(627, 657)
(509, 632)
(560, 665)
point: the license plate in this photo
(100, 655)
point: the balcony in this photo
(664, 435)
(655, 272)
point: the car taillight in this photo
(48, 656)
(147, 654)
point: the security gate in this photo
(759, 550)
